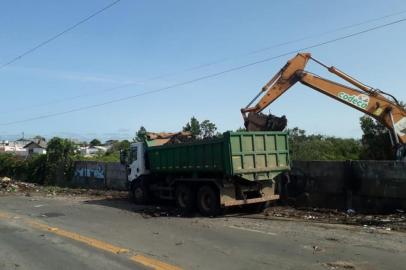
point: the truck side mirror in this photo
(123, 156)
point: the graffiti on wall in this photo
(92, 171)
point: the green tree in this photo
(117, 147)
(375, 140)
(318, 147)
(140, 135)
(193, 126)
(37, 169)
(241, 129)
(60, 158)
(95, 142)
(208, 129)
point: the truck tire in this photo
(139, 192)
(208, 201)
(185, 199)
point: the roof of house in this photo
(37, 144)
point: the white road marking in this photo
(250, 230)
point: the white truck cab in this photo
(136, 161)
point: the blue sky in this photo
(135, 41)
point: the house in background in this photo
(110, 142)
(90, 151)
(13, 147)
(38, 147)
(24, 147)
(20, 143)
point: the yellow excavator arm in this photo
(374, 102)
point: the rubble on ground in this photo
(11, 186)
(370, 222)
(8, 185)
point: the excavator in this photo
(376, 103)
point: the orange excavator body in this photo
(373, 102)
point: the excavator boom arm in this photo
(362, 98)
(388, 113)
(281, 82)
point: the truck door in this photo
(136, 161)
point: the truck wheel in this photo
(208, 201)
(185, 199)
(139, 193)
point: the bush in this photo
(32, 169)
(53, 167)
(318, 147)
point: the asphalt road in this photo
(76, 233)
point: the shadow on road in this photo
(150, 210)
(161, 209)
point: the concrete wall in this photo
(116, 176)
(99, 175)
(361, 185)
(366, 185)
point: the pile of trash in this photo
(8, 185)
(393, 221)
(11, 186)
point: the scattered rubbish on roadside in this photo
(333, 239)
(309, 217)
(8, 185)
(340, 265)
(12, 186)
(351, 211)
(389, 222)
(316, 249)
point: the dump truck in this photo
(237, 169)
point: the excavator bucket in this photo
(263, 122)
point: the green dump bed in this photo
(250, 155)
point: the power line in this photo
(304, 38)
(52, 38)
(217, 74)
(215, 62)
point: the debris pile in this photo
(154, 139)
(8, 185)
(394, 221)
